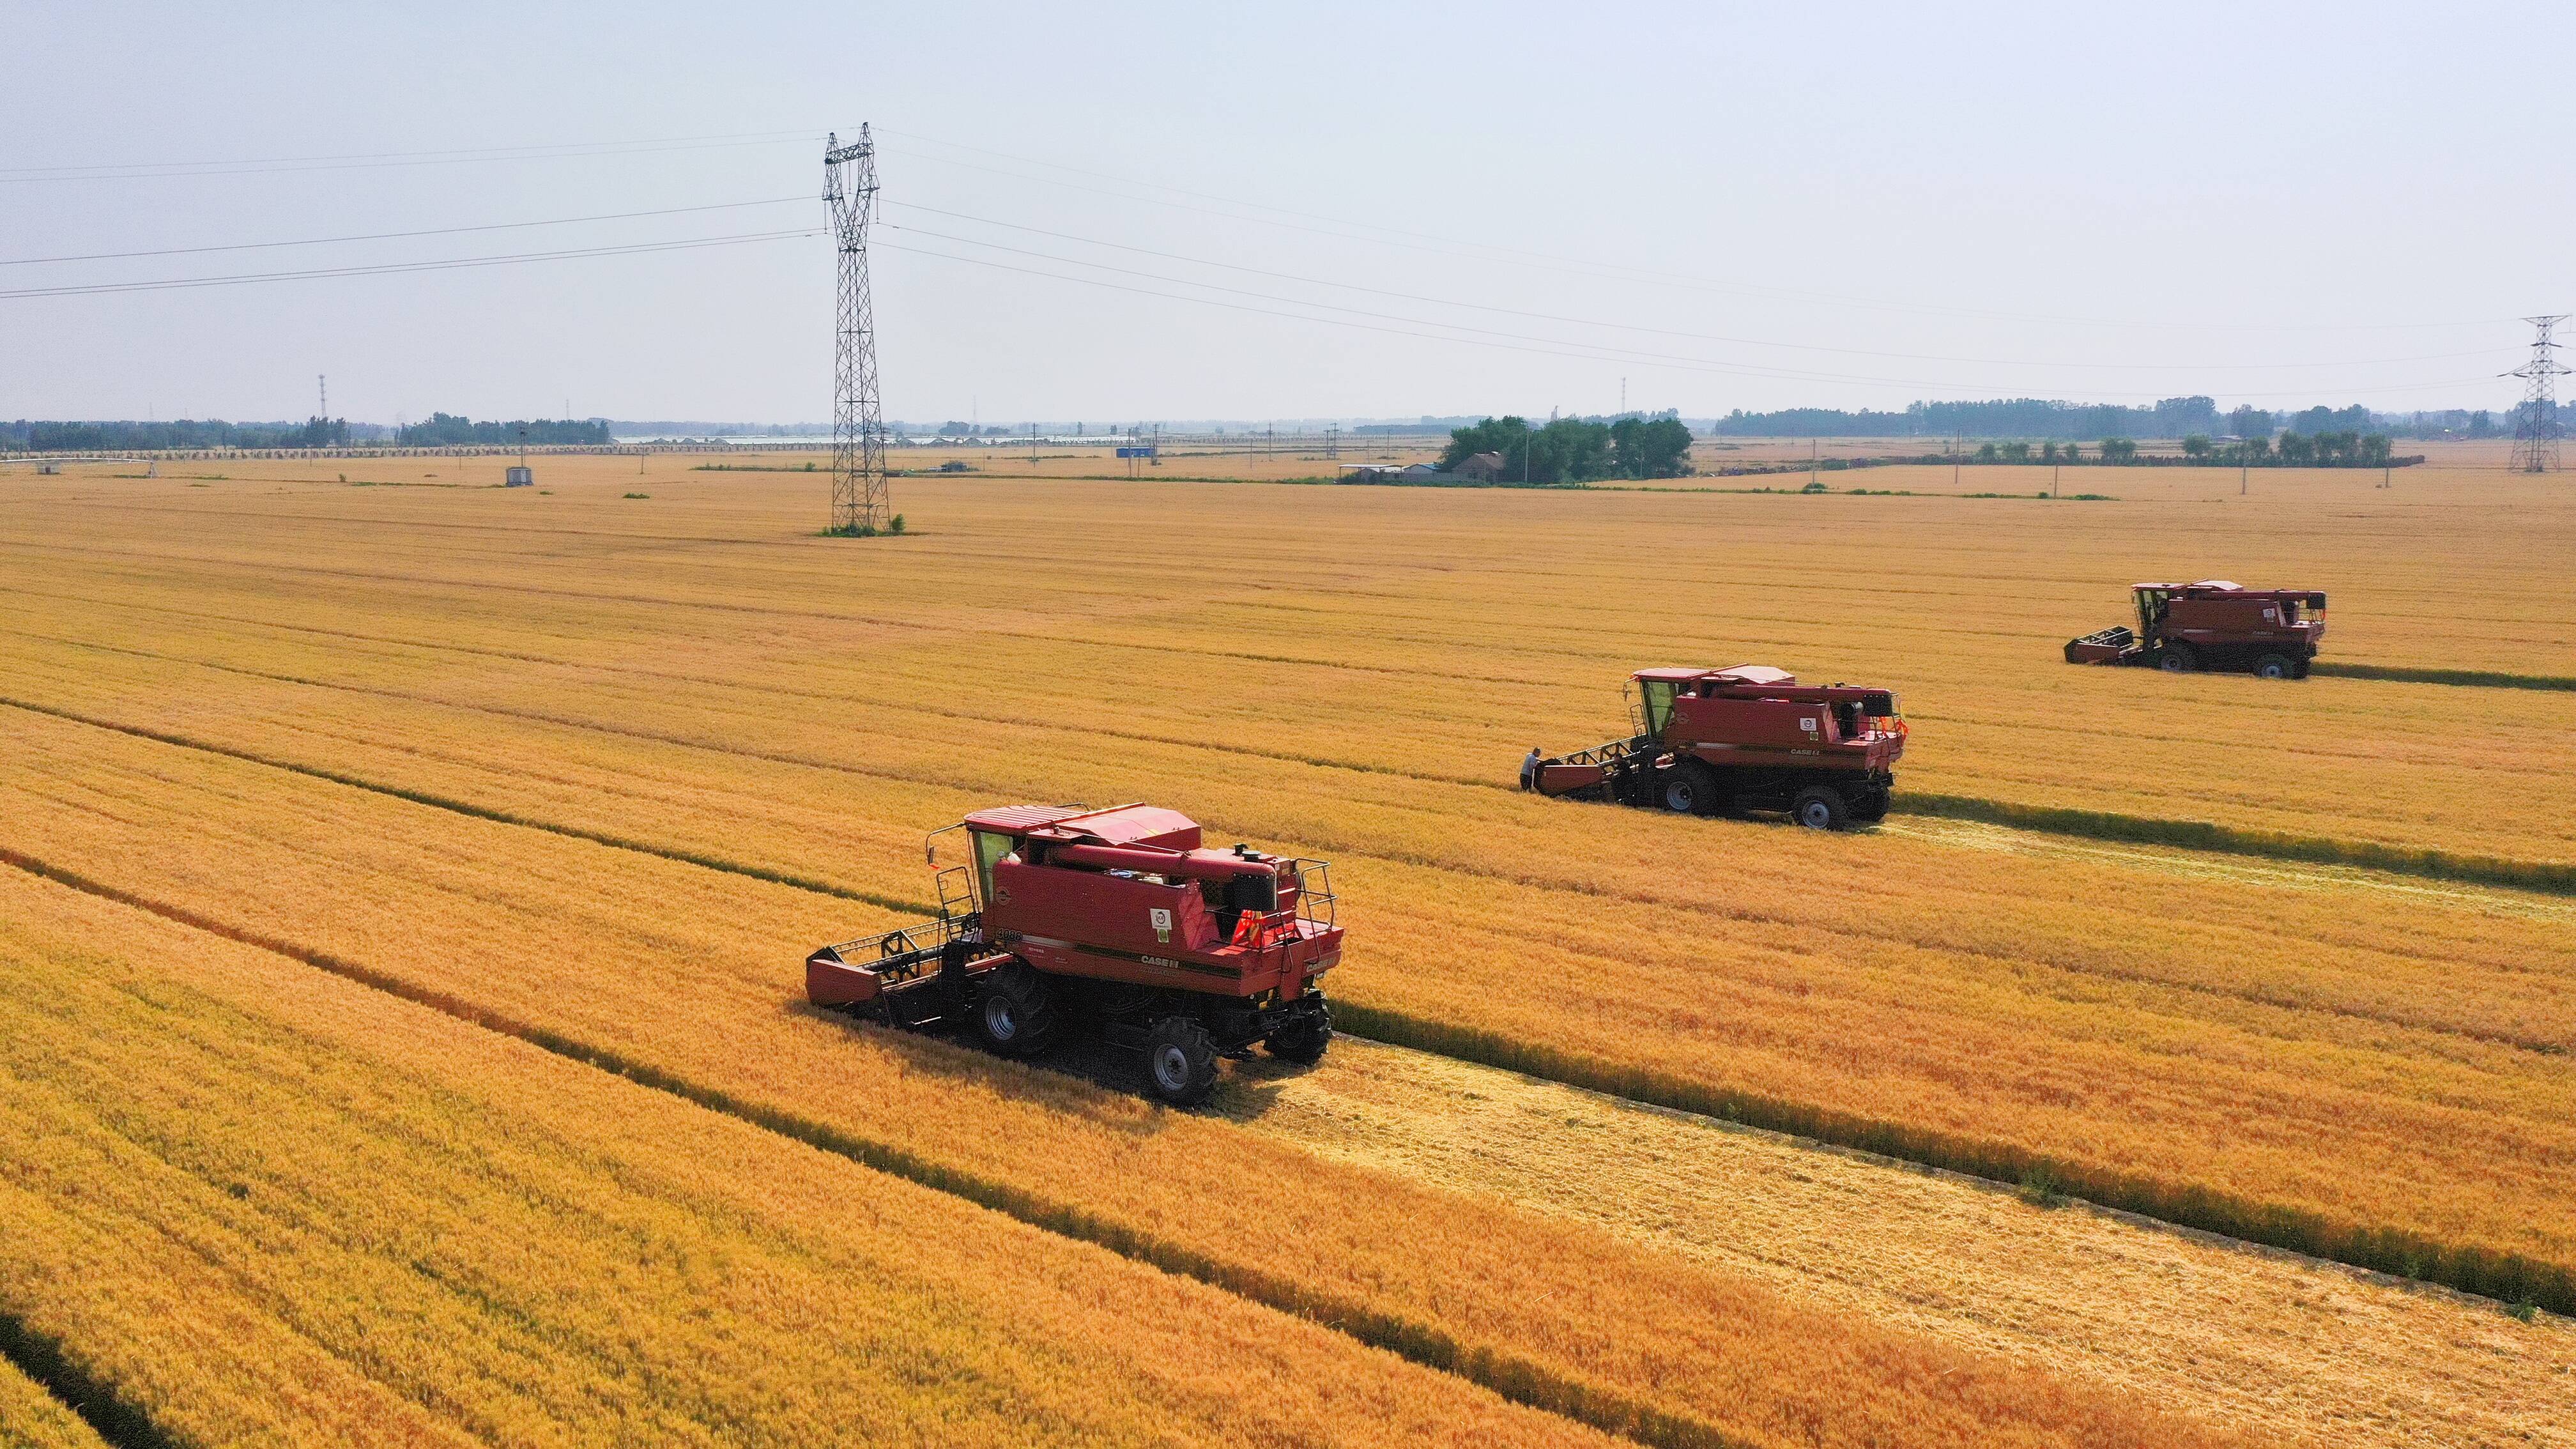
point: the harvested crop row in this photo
(2002, 1024)
(272, 1205)
(679, 968)
(1401, 664)
(2278, 1348)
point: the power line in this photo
(149, 170)
(395, 235)
(1636, 327)
(1683, 364)
(1601, 351)
(446, 264)
(1431, 242)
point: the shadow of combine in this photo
(1245, 1089)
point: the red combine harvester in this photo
(1749, 738)
(1117, 918)
(2213, 624)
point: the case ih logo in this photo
(1162, 925)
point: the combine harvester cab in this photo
(1716, 741)
(2213, 625)
(1119, 921)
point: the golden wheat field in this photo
(411, 878)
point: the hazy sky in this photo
(1512, 207)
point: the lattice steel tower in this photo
(2535, 423)
(858, 426)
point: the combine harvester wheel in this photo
(1690, 789)
(1303, 1039)
(1016, 1015)
(1820, 807)
(1180, 1061)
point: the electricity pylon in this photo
(858, 426)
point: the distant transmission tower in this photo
(2535, 424)
(858, 427)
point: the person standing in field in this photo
(1529, 770)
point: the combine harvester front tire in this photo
(2176, 659)
(1016, 1014)
(1690, 788)
(1180, 1061)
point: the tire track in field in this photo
(1510, 1376)
(2489, 870)
(2085, 826)
(2103, 825)
(2243, 993)
(779, 611)
(1362, 767)
(2498, 679)
(2482, 1272)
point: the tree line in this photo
(2346, 449)
(446, 430)
(1575, 450)
(2173, 417)
(38, 436)
(442, 430)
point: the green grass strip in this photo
(1507, 1373)
(2481, 678)
(2227, 839)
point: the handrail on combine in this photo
(1316, 904)
(1270, 934)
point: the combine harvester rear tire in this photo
(1180, 1061)
(1303, 1039)
(2276, 666)
(1820, 807)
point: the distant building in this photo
(1406, 473)
(1482, 467)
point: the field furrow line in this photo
(2508, 1277)
(2082, 824)
(1520, 1380)
(2247, 992)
